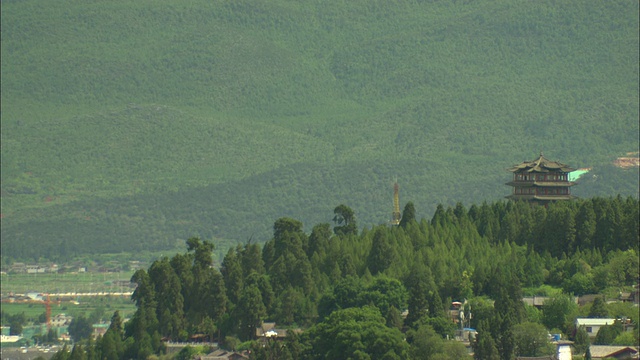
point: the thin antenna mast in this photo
(396, 215)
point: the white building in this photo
(564, 350)
(593, 325)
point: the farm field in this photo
(98, 307)
(64, 283)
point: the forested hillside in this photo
(132, 126)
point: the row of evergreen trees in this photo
(312, 280)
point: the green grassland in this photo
(133, 126)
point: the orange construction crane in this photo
(47, 306)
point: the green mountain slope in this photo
(148, 122)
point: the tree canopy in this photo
(348, 290)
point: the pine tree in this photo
(439, 216)
(346, 220)
(382, 254)
(598, 308)
(109, 347)
(112, 344)
(460, 212)
(62, 354)
(408, 215)
(585, 225)
(604, 237)
(394, 318)
(505, 337)
(250, 312)
(301, 276)
(419, 283)
(582, 340)
(170, 302)
(251, 259)
(630, 234)
(319, 240)
(262, 282)
(587, 354)
(233, 276)
(182, 266)
(484, 347)
(216, 295)
(77, 353)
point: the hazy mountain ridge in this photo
(249, 112)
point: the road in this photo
(12, 353)
(74, 294)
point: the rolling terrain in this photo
(133, 126)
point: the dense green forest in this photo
(134, 126)
(346, 289)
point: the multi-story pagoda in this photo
(541, 181)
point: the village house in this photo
(61, 320)
(99, 330)
(268, 330)
(564, 349)
(592, 325)
(588, 299)
(125, 284)
(18, 268)
(220, 354)
(613, 352)
(537, 301)
(36, 269)
(632, 296)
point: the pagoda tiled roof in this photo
(541, 165)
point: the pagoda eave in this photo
(540, 197)
(541, 183)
